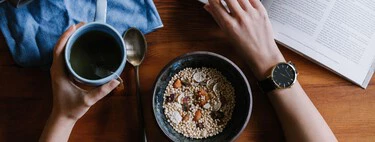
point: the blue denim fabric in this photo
(32, 31)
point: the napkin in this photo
(32, 31)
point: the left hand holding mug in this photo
(69, 100)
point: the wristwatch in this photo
(283, 76)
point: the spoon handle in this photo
(140, 108)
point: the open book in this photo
(337, 34)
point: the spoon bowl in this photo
(135, 46)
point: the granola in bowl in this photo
(198, 103)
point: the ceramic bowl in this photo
(243, 106)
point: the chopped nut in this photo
(216, 89)
(176, 117)
(199, 76)
(198, 115)
(202, 92)
(186, 118)
(177, 84)
(205, 97)
(207, 106)
(216, 106)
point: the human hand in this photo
(70, 101)
(248, 26)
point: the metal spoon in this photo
(136, 47)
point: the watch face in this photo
(284, 75)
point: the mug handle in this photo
(101, 11)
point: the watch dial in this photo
(284, 75)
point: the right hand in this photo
(248, 26)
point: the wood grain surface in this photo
(26, 99)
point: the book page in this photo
(204, 1)
(339, 34)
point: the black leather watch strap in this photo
(267, 85)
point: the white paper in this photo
(338, 34)
(203, 1)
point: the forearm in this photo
(57, 129)
(300, 119)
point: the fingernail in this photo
(71, 27)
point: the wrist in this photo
(263, 58)
(264, 68)
(58, 128)
(58, 117)
(266, 60)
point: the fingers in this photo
(102, 91)
(64, 38)
(256, 4)
(234, 7)
(218, 12)
(58, 60)
(246, 5)
(61, 42)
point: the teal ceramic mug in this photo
(98, 26)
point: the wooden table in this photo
(25, 93)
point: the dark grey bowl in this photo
(242, 110)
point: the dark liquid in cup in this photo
(95, 55)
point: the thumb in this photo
(102, 91)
